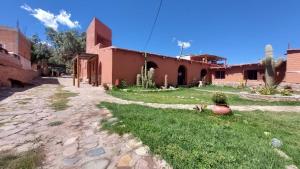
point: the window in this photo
(220, 74)
(252, 74)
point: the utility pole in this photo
(182, 47)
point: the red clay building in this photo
(104, 63)
(15, 65)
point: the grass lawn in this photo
(28, 160)
(188, 139)
(189, 96)
(59, 101)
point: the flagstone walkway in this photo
(78, 142)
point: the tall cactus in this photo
(270, 66)
(146, 77)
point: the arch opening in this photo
(181, 80)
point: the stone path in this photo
(78, 142)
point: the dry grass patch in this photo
(27, 160)
(59, 101)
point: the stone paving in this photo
(78, 142)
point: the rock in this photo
(114, 119)
(142, 151)
(70, 161)
(70, 151)
(96, 164)
(8, 127)
(124, 161)
(276, 142)
(282, 154)
(133, 143)
(141, 164)
(291, 167)
(70, 141)
(6, 147)
(90, 145)
(95, 152)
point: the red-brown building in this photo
(104, 63)
(15, 54)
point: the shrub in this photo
(286, 92)
(219, 98)
(267, 90)
(105, 86)
(122, 84)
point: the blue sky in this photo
(236, 29)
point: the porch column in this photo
(97, 69)
(78, 72)
(74, 72)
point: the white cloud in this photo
(64, 19)
(184, 45)
(51, 20)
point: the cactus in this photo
(147, 77)
(166, 81)
(270, 66)
(138, 80)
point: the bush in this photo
(267, 90)
(286, 92)
(219, 98)
(122, 84)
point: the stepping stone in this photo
(291, 167)
(70, 141)
(96, 164)
(141, 164)
(95, 152)
(142, 151)
(70, 151)
(111, 120)
(70, 161)
(282, 154)
(124, 161)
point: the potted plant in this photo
(221, 106)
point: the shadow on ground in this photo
(6, 92)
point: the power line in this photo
(153, 26)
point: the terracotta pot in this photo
(221, 109)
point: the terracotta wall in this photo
(10, 60)
(8, 72)
(127, 64)
(8, 38)
(98, 36)
(293, 68)
(24, 47)
(105, 65)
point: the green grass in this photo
(55, 123)
(189, 96)
(59, 101)
(188, 139)
(28, 160)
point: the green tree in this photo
(66, 45)
(40, 51)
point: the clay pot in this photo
(221, 109)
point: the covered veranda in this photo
(92, 64)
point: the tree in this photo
(40, 51)
(66, 45)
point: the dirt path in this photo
(78, 142)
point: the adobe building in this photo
(15, 54)
(104, 63)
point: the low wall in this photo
(22, 75)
